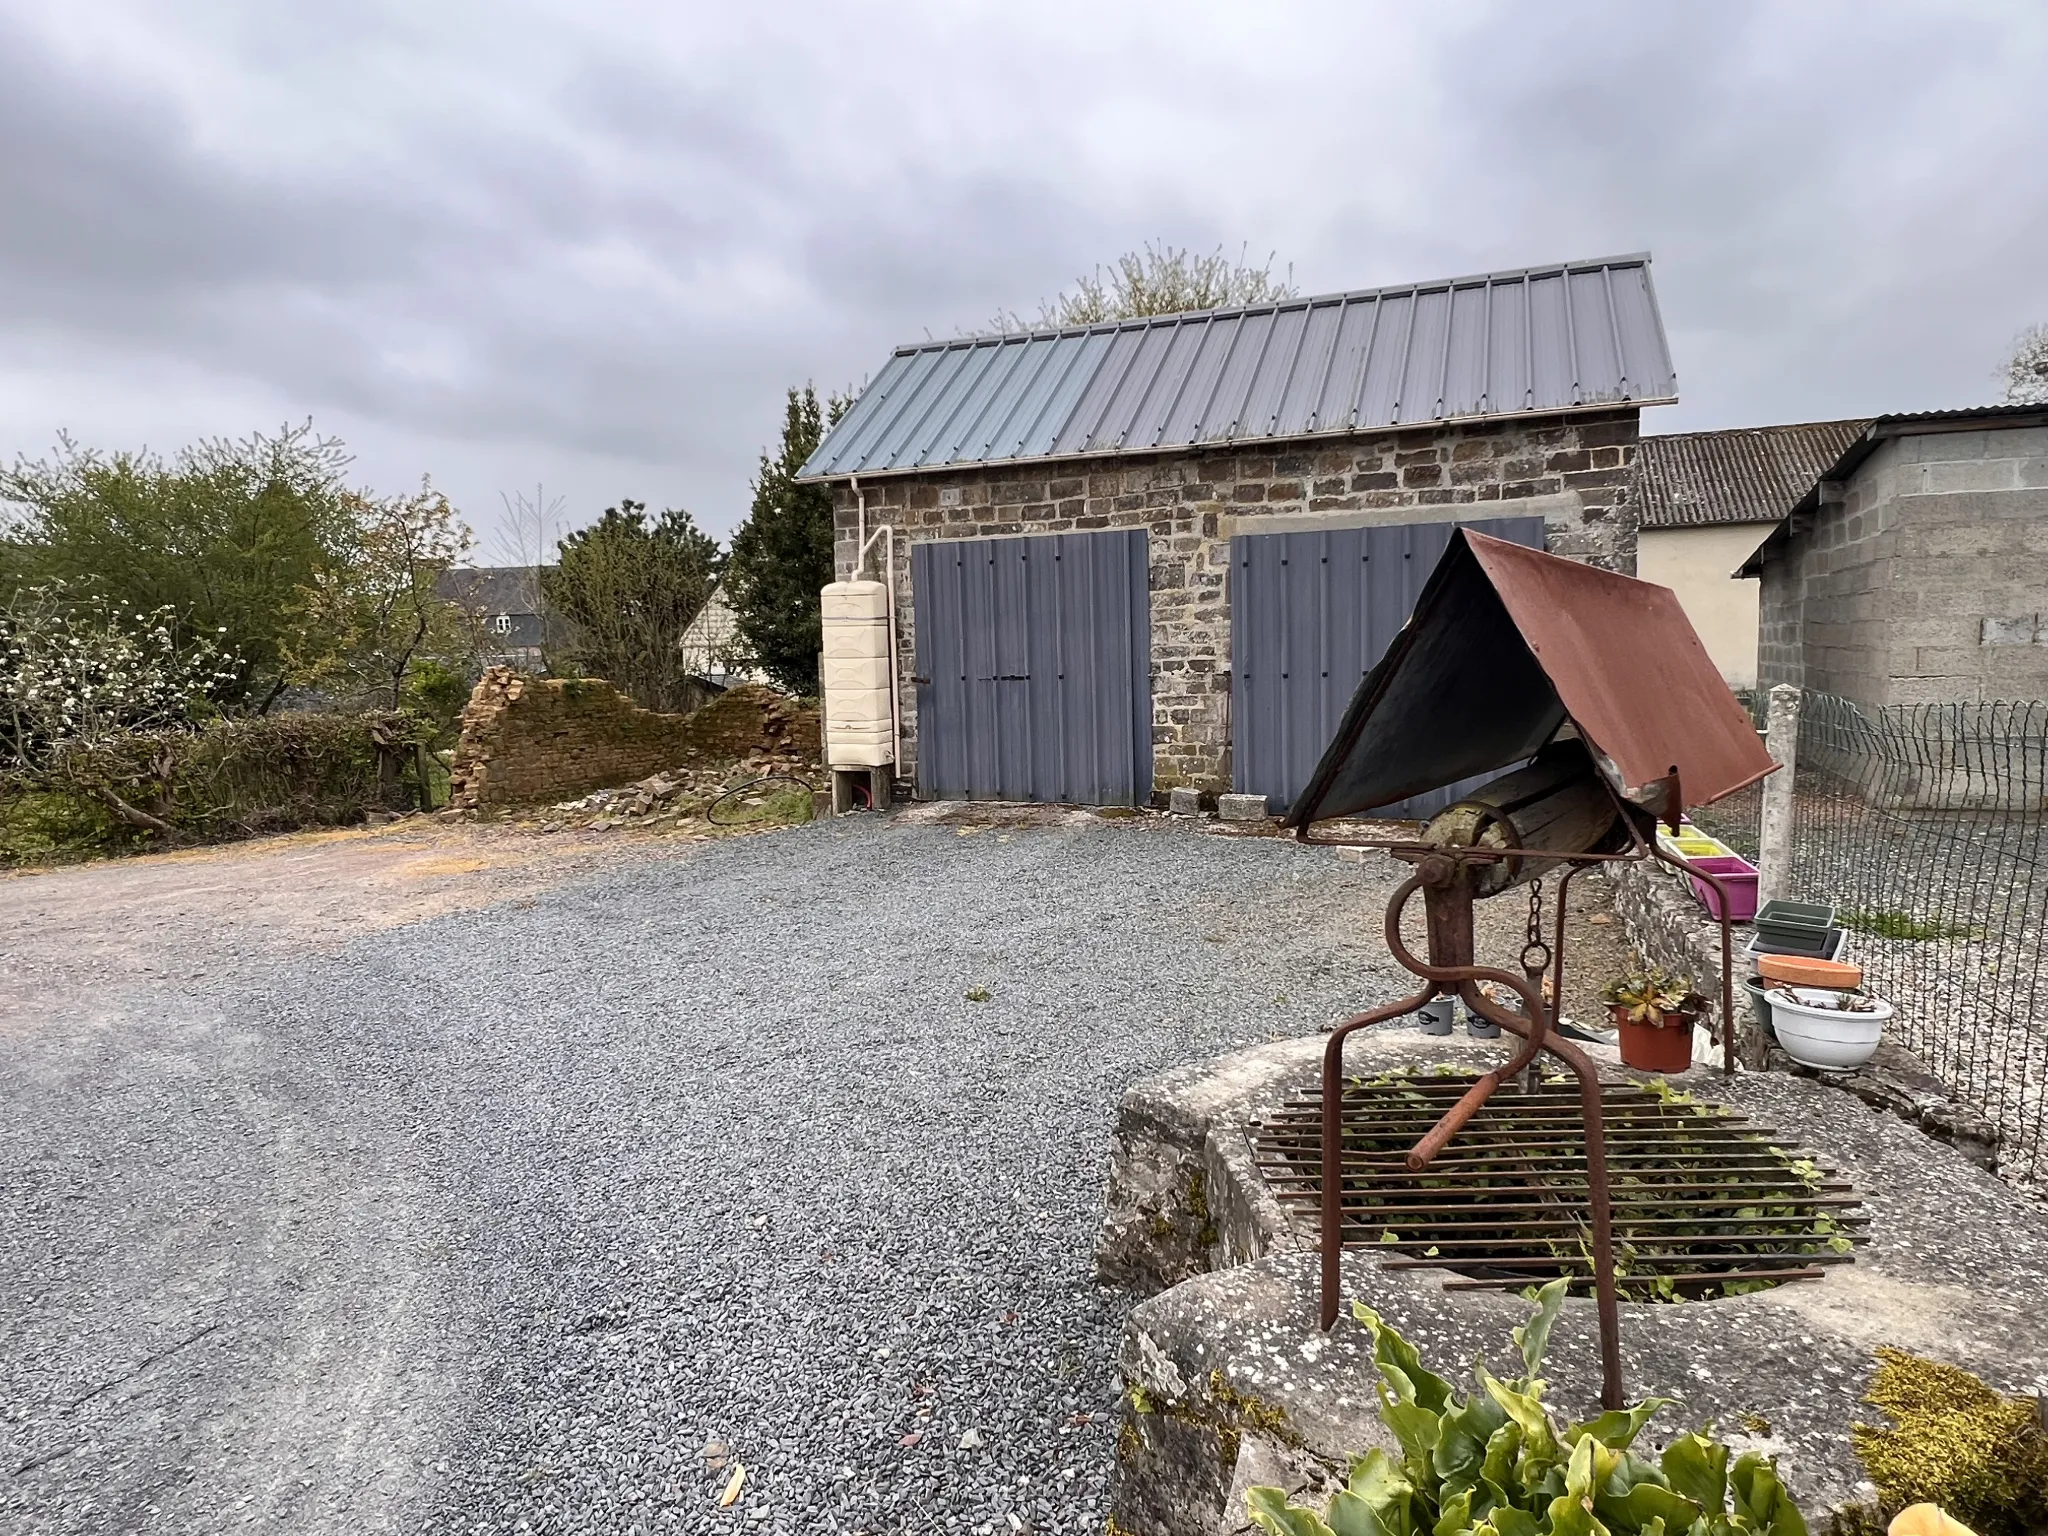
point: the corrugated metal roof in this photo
(1863, 444)
(1747, 475)
(1574, 336)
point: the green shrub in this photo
(227, 779)
(52, 828)
(1497, 1464)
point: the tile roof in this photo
(1574, 336)
(1743, 475)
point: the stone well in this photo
(1229, 1383)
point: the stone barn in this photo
(1162, 552)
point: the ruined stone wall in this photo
(1571, 470)
(528, 739)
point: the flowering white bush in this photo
(76, 669)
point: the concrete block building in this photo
(1915, 569)
(1162, 552)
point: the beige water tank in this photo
(859, 723)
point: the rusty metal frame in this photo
(1443, 875)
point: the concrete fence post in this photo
(1774, 836)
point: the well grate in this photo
(1705, 1202)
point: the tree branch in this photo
(128, 813)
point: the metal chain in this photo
(1535, 953)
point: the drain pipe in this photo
(865, 541)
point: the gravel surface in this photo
(543, 1215)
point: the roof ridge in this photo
(1543, 340)
(1274, 306)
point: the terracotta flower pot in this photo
(1665, 1047)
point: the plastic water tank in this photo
(859, 724)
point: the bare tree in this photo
(531, 530)
(1158, 280)
(2026, 371)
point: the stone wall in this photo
(528, 739)
(1921, 583)
(1571, 470)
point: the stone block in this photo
(1241, 807)
(2015, 629)
(1184, 800)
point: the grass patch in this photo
(1887, 923)
(784, 806)
(46, 828)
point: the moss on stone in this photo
(1253, 1412)
(1198, 1206)
(1953, 1441)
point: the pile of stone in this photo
(677, 799)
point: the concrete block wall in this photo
(1573, 470)
(1927, 582)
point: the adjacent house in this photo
(1163, 551)
(1914, 570)
(505, 599)
(1703, 500)
(712, 647)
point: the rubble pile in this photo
(678, 799)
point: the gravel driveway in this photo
(498, 1218)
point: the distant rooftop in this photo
(1743, 475)
(1541, 340)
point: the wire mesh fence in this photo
(1736, 819)
(1923, 825)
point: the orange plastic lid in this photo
(1810, 971)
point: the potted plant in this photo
(1826, 1028)
(1654, 1011)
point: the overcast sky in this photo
(588, 244)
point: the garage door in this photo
(1033, 669)
(1309, 615)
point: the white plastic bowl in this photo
(1816, 1033)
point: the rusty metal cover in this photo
(1506, 644)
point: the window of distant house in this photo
(502, 624)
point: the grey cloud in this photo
(616, 238)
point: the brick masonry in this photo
(1921, 580)
(528, 739)
(1572, 470)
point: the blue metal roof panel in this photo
(1572, 336)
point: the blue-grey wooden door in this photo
(1310, 613)
(1034, 664)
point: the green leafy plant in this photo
(1654, 996)
(1497, 1463)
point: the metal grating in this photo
(1705, 1203)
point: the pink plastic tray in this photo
(1738, 874)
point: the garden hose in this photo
(711, 811)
